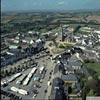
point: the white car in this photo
(17, 82)
(41, 80)
(49, 83)
(34, 96)
(34, 85)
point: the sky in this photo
(49, 5)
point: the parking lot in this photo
(36, 88)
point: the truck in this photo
(23, 92)
(14, 89)
(19, 81)
(20, 91)
(14, 77)
(29, 76)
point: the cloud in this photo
(61, 3)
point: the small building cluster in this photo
(20, 48)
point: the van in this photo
(49, 83)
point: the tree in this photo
(7, 73)
(82, 83)
(19, 68)
(54, 41)
(15, 69)
(2, 73)
(91, 93)
(85, 91)
(94, 84)
(23, 66)
(69, 90)
(83, 95)
(61, 46)
(19, 47)
(29, 63)
(45, 90)
(95, 76)
(11, 71)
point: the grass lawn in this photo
(95, 66)
(65, 44)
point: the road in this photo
(42, 61)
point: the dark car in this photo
(38, 86)
(35, 91)
(19, 98)
(45, 90)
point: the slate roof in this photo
(69, 77)
(58, 93)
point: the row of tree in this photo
(19, 68)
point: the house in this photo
(57, 92)
(6, 59)
(11, 56)
(69, 78)
(39, 45)
(74, 61)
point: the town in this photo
(59, 64)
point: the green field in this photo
(94, 66)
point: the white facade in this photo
(13, 47)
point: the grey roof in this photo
(69, 77)
(57, 82)
(57, 95)
(6, 56)
(78, 87)
(74, 61)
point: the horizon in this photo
(54, 11)
(49, 5)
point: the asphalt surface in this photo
(43, 60)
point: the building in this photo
(11, 56)
(57, 92)
(69, 78)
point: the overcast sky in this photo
(49, 5)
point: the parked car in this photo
(34, 96)
(35, 91)
(49, 83)
(45, 90)
(41, 81)
(38, 86)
